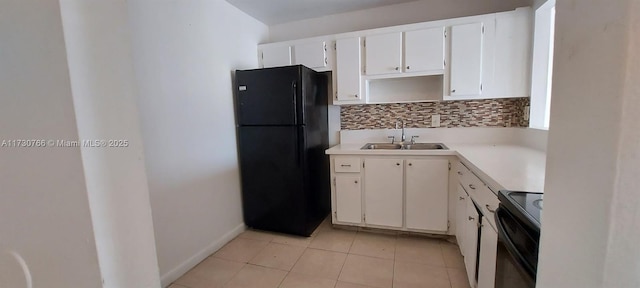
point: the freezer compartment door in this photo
(269, 96)
(271, 162)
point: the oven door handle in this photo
(511, 247)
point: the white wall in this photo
(104, 92)
(184, 53)
(44, 208)
(622, 266)
(399, 14)
(540, 68)
(591, 189)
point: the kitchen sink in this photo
(384, 146)
(415, 146)
(424, 146)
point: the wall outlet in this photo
(435, 120)
(526, 112)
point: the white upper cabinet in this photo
(348, 69)
(511, 74)
(275, 56)
(466, 59)
(383, 54)
(476, 57)
(312, 55)
(424, 50)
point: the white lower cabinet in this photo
(398, 193)
(461, 217)
(480, 259)
(488, 250)
(426, 207)
(348, 195)
(383, 192)
(471, 241)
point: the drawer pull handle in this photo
(472, 187)
(345, 165)
(471, 218)
(489, 208)
(397, 164)
(356, 181)
(410, 164)
(461, 198)
(459, 173)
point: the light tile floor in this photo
(331, 258)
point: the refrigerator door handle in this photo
(294, 87)
(300, 147)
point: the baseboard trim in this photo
(185, 266)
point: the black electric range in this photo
(526, 206)
(518, 226)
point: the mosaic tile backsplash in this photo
(473, 113)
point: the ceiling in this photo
(273, 12)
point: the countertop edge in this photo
(463, 156)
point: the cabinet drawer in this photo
(470, 182)
(347, 164)
(488, 202)
(462, 171)
(479, 191)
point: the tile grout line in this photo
(294, 265)
(393, 272)
(347, 257)
(445, 265)
(245, 263)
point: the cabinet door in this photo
(383, 192)
(276, 56)
(511, 73)
(426, 190)
(312, 55)
(466, 59)
(424, 50)
(384, 54)
(461, 217)
(348, 69)
(488, 250)
(471, 241)
(348, 198)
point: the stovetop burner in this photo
(527, 205)
(538, 203)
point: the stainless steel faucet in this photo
(402, 126)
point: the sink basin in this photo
(424, 146)
(385, 146)
(415, 146)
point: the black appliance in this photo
(518, 224)
(282, 130)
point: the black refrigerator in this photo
(282, 129)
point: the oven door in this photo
(516, 258)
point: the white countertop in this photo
(501, 166)
(510, 167)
